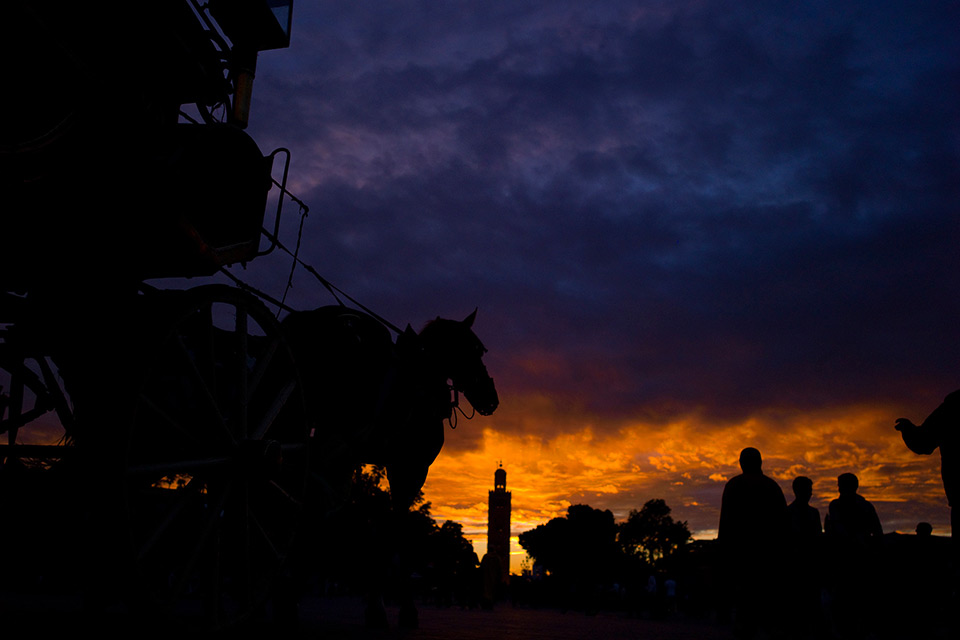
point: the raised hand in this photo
(904, 423)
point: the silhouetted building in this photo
(498, 522)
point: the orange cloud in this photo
(685, 462)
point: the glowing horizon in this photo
(673, 258)
(686, 465)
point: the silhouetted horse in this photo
(384, 403)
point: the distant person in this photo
(852, 521)
(490, 577)
(940, 430)
(854, 537)
(803, 560)
(926, 564)
(928, 577)
(753, 525)
(804, 519)
(670, 595)
(851, 518)
(652, 590)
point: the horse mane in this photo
(434, 324)
(447, 328)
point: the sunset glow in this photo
(688, 227)
(301, 304)
(686, 463)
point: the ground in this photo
(341, 618)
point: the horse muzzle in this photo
(488, 410)
(484, 398)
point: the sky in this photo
(688, 226)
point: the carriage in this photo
(156, 440)
(164, 443)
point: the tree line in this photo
(585, 547)
(590, 538)
(586, 559)
(341, 545)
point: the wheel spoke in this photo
(275, 408)
(222, 393)
(14, 423)
(263, 362)
(243, 349)
(207, 392)
(211, 524)
(186, 495)
(14, 408)
(208, 336)
(57, 397)
(284, 494)
(171, 467)
(170, 421)
(279, 557)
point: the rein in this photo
(455, 407)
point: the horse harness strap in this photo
(454, 405)
(386, 384)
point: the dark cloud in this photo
(697, 206)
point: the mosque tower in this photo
(498, 522)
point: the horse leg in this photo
(409, 616)
(375, 613)
(391, 575)
(374, 609)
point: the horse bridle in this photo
(455, 408)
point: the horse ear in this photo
(470, 318)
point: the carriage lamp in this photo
(252, 26)
(256, 24)
(244, 68)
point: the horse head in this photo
(347, 358)
(458, 354)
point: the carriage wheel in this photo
(29, 394)
(216, 459)
(34, 420)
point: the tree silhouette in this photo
(546, 544)
(651, 533)
(340, 543)
(584, 542)
(451, 551)
(452, 565)
(580, 553)
(347, 547)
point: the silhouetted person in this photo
(753, 524)
(925, 596)
(490, 577)
(651, 591)
(941, 430)
(803, 561)
(804, 519)
(851, 518)
(854, 535)
(670, 596)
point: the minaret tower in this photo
(498, 522)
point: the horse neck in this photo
(434, 363)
